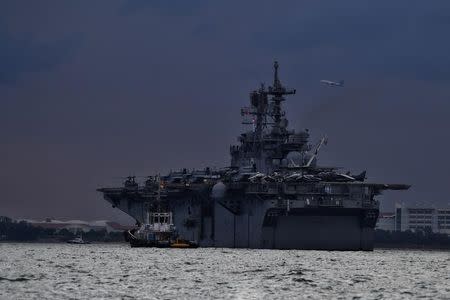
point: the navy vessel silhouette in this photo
(273, 195)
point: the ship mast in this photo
(265, 110)
(277, 91)
(260, 109)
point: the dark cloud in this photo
(394, 130)
(391, 39)
(172, 8)
(159, 86)
(22, 54)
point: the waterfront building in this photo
(443, 220)
(405, 218)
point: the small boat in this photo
(78, 240)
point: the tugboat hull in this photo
(140, 243)
(136, 242)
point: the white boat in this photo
(78, 240)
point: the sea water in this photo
(116, 271)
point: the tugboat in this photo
(158, 230)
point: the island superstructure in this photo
(273, 195)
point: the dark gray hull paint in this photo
(318, 232)
(318, 228)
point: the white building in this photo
(416, 218)
(443, 220)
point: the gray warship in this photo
(274, 194)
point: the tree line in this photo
(22, 231)
(11, 230)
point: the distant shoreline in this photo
(13, 232)
(410, 247)
(376, 247)
(60, 242)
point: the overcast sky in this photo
(94, 90)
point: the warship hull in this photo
(260, 225)
(316, 230)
